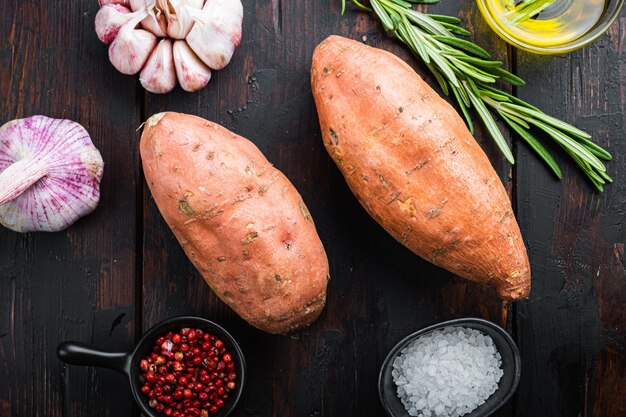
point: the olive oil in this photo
(562, 22)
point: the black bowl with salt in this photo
(504, 344)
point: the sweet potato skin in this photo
(412, 163)
(239, 220)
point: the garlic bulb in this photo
(158, 75)
(49, 174)
(203, 35)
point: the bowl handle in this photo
(76, 353)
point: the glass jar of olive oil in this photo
(562, 26)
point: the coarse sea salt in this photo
(447, 372)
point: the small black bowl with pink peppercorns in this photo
(182, 367)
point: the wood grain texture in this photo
(120, 270)
(77, 284)
(571, 329)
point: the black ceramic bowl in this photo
(511, 366)
(128, 363)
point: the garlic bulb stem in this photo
(19, 177)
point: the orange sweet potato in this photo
(414, 166)
(240, 221)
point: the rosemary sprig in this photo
(527, 9)
(469, 72)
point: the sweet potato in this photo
(240, 221)
(414, 166)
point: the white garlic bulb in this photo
(50, 174)
(204, 35)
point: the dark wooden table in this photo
(120, 270)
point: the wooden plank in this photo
(379, 291)
(465, 297)
(572, 330)
(76, 284)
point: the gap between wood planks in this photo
(512, 313)
(277, 16)
(140, 202)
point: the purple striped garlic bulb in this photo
(170, 40)
(50, 174)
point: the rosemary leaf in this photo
(464, 108)
(402, 3)
(516, 119)
(442, 81)
(443, 67)
(443, 18)
(496, 95)
(520, 127)
(490, 123)
(472, 71)
(479, 62)
(464, 45)
(414, 41)
(605, 176)
(569, 144)
(455, 29)
(383, 15)
(511, 98)
(595, 149)
(559, 124)
(508, 77)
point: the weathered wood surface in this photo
(78, 284)
(120, 270)
(572, 330)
